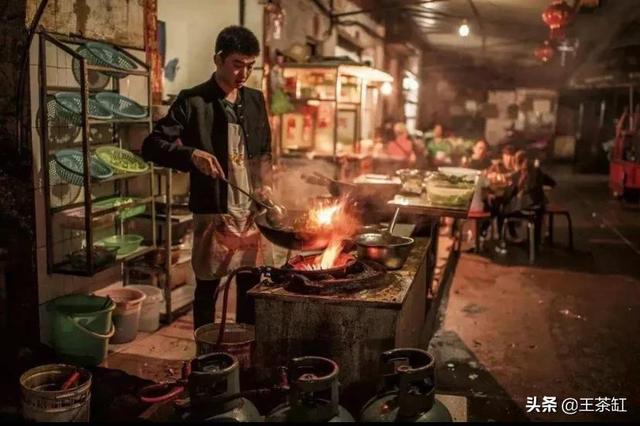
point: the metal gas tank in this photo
(313, 393)
(214, 391)
(407, 394)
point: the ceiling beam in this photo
(385, 8)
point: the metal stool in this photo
(553, 210)
(529, 218)
(478, 216)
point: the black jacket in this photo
(198, 120)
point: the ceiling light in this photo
(464, 29)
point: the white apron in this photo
(224, 242)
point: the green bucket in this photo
(81, 328)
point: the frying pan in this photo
(287, 237)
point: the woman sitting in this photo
(526, 192)
(480, 157)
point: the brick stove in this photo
(352, 327)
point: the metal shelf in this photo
(145, 120)
(102, 212)
(65, 268)
(121, 184)
(123, 176)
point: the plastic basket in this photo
(59, 129)
(121, 160)
(70, 108)
(96, 79)
(108, 56)
(121, 106)
(126, 244)
(70, 166)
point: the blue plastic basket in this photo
(121, 106)
(70, 108)
(107, 56)
(96, 79)
(70, 163)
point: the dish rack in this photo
(109, 200)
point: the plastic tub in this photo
(126, 315)
(150, 313)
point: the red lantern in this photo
(545, 52)
(557, 15)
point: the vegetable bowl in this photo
(121, 160)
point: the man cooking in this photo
(220, 130)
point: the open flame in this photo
(334, 222)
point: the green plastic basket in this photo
(108, 56)
(124, 213)
(126, 244)
(121, 160)
(96, 79)
(70, 108)
(121, 106)
(70, 163)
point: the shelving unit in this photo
(162, 275)
(91, 186)
(329, 100)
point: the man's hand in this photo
(207, 164)
(265, 194)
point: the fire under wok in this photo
(287, 236)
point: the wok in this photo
(287, 237)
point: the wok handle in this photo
(247, 193)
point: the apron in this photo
(224, 242)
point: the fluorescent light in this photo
(464, 29)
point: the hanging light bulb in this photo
(386, 88)
(464, 29)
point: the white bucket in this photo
(150, 314)
(126, 316)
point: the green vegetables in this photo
(121, 160)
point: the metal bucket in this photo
(238, 340)
(44, 401)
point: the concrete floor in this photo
(566, 327)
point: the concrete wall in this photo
(192, 27)
(116, 21)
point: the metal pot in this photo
(390, 250)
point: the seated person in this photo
(401, 147)
(526, 192)
(437, 146)
(480, 157)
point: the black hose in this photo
(22, 72)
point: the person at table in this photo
(480, 157)
(526, 192)
(438, 148)
(401, 147)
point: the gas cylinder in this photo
(408, 393)
(313, 393)
(214, 391)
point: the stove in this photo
(302, 275)
(350, 315)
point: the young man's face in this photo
(234, 69)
